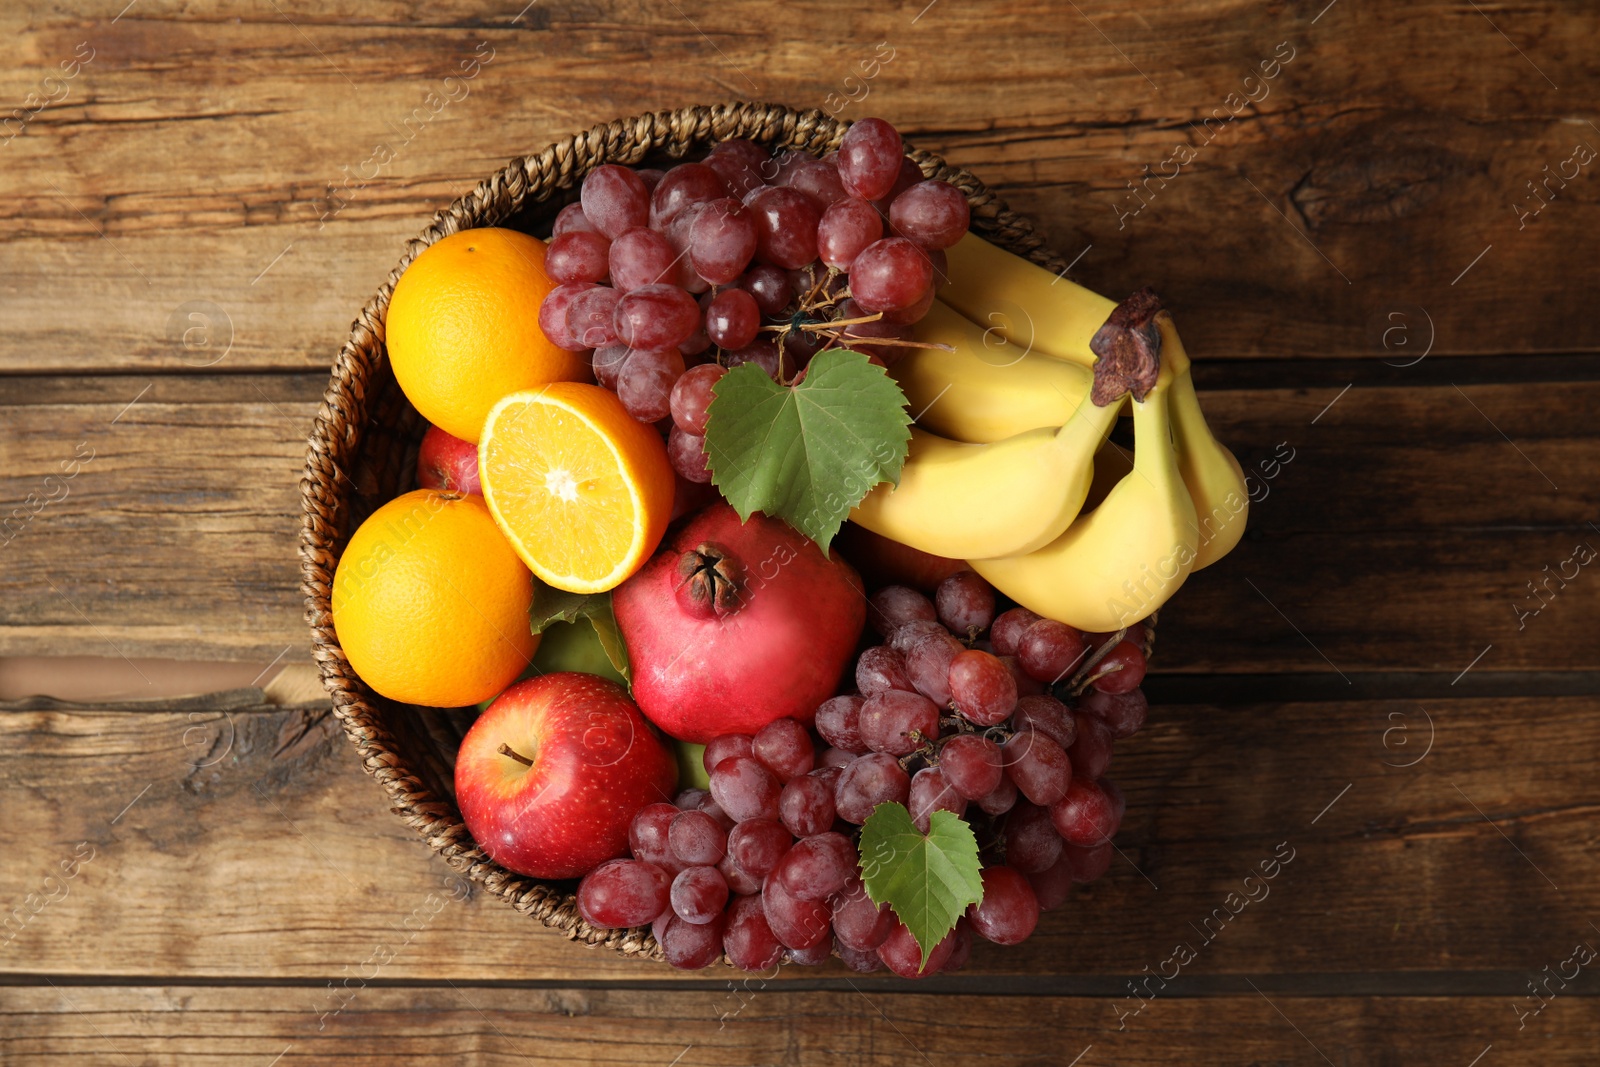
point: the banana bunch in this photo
(1003, 456)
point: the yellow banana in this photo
(1027, 305)
(1003, 498)
(1212, 474)
(1122, 560)
(986, 389)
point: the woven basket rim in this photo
(339, 431)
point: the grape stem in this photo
(1085, 678)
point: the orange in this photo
(431, 604)
(581, 489)
(463, 328)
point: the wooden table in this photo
(1379, 241)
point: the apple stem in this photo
(507, 750)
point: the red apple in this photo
(553, 771)
(445, 462)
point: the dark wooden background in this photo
(1359, 261)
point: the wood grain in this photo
(1405, 497)
(455, 1025)
(232, 840)
(1383, 159)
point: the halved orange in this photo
(581, 489)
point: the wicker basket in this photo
(363, 447)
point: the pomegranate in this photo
(733, 625)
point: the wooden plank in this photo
(1406, 497)
(1364, 181)
(233, 841)
(454, 1025)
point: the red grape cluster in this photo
(765, 866)
(668, 277)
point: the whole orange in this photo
(431, 604)
(463, 328)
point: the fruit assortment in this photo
(762, 661)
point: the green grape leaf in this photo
(551, 605)
(927, 880)
(807, 453)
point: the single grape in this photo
(722, 240)
(590, 316)
(737, 172)
(817, 867)
(782, 166)
(1002, 800)
(656, 316)
(691, 946)
(697, 839)
(645, 384)
(723, 747)
(909, 174)
(713, 809)
(963, 947)
(622, 893)
(770, 286)
(763, 353)
(757, 845)
(1032, 843)
(862, 961)
(902, 637)
(813, 956)
(732, 319)
(648, 835)
(806, 804)
(738, 880)
(896, 605)
(692, 395)
(615, 200)
(1091, 752)
(928, 665)
(796, 923)
(1121, 670)
(691, 799)
(786, 227)
(579, 256)
(784, 747)
(1008, 629)
(857, 921)
(965, 603)
(873, 779)
(608, 361)
(847, 227)
(912, 313)
(902, 955)
(836, 759)
(931, 792)
(819, 180)
(571, 219)
(1123, 713)
(941, 266)
(747, 939)
(696, 346)
(688, 455)
(890, 274)
(699, 894)
(555, 311)
(1047, 715)
(684, 184)
(839, 723)
(641, 257)
(651, 176)
(1009, 910)
(1089, 864)
(897, 722)
(1119, 802)
(1038, 765)
(971, 764)
(880, 668)
(745, 789)
(934, 214)
(1027, 684)
(982, 687)
(870, 155)
(1085, 816)
(1051, 887)
(1050, 651)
